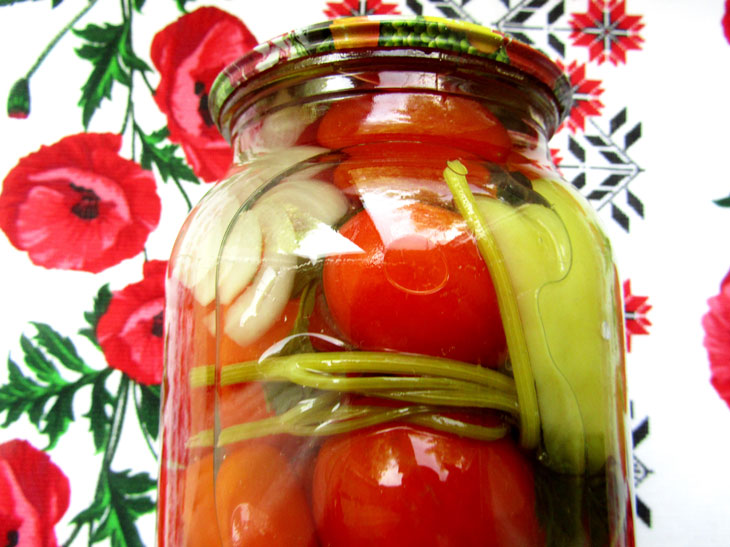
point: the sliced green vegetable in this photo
(536, 252)
(585, 344)
(553, 269)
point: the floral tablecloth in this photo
(107, 144)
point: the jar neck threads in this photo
(300, 91)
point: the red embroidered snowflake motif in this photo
(607, 31)
(555, 156)
(359, 7)
(585, 97)
(635, 310)
(556, 159)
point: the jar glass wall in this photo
(393, 323)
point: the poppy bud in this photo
(19, 99)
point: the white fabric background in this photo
(677, 86)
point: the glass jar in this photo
(394, 323)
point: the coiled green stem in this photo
(428, 385)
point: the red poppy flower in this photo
(726, 20)
(34, 495)
(130, 331)
(717, 339)
(189, 54)
(78, 205)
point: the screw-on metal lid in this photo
(388, 32)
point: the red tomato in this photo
(413, 170)
(419, 286)
(238, 403)
(256, 500)
(198, 507)
(230, 352)
(403, 486)
(260, 501)
(448, 120)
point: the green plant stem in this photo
(330, 370)
(112, 441)
(145, 432)
(184, 194)
(115, 431)
(128, 13)
(129, 111)
(326, 415)
(140, 133)
(151, 89)
(426, 385)
(73, 535)
(57, 38)
(455, 177)
(120, 407)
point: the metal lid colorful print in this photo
(369, 32)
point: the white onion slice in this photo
(197, 253)
(262, 247)
(281, 129)
(312, 197)
(261, 304)
(240, 257)
(321, 240)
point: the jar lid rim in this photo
(386, 31)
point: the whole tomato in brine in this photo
(406, 486)
(418, 286)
